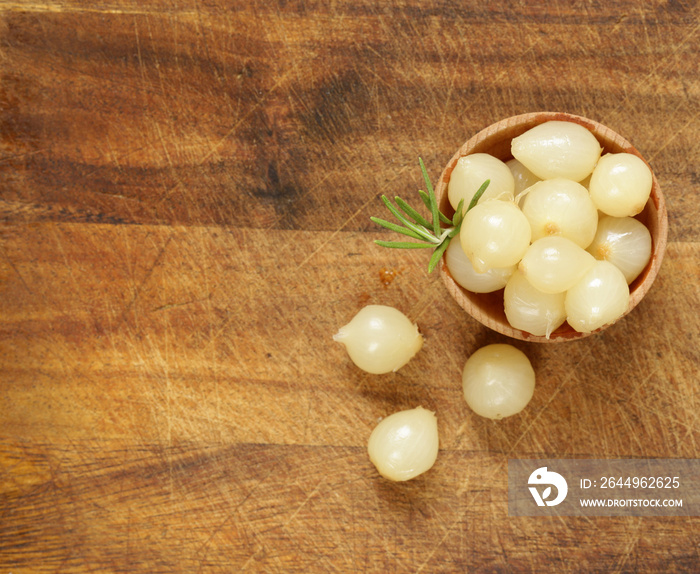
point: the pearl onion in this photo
(494, 234)
(380, 339)
(530, 309)
(600, 297)
(623, 241)
(621, 184)
(554, 264)
(557, 149)
(463, 272)
(498, 381)
(561, 207)
(522, 176)
(469, 174)
(404, 444)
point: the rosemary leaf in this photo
(424, 233)
(433, 202)
(404, 244)
(425, 197)
(397, 228)
(454, 231)
(426, 200)
(478, 194)
(412, 213)
(459, 214)
(429, 234)
(437, 254)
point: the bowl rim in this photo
(654, 216)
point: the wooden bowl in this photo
(495, 140)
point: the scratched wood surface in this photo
(185, 193)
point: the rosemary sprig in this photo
(429, 233)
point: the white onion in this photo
(561, 207)
(599, 298)
(494, 234)
(404, 444)
(380, 339)
(621, 184)
(522, 176)
(623, 241)
(498, 381)
(530, 309)
(554, 264)
(469, 174)
(557, 149)
(464, 274)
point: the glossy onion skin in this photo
(522, 176)
(623, 241)
(404, 444)
(531, 310)
(554, 264)
(557, 149)
(380, 339)
(494, 234)
(599, 298)
(620, 184)
(464, 274)
(471, 171)
(498, 381)
(561, 207)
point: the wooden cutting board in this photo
(185, 193)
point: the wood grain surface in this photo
(185, 193)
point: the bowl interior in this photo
(496, 140)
